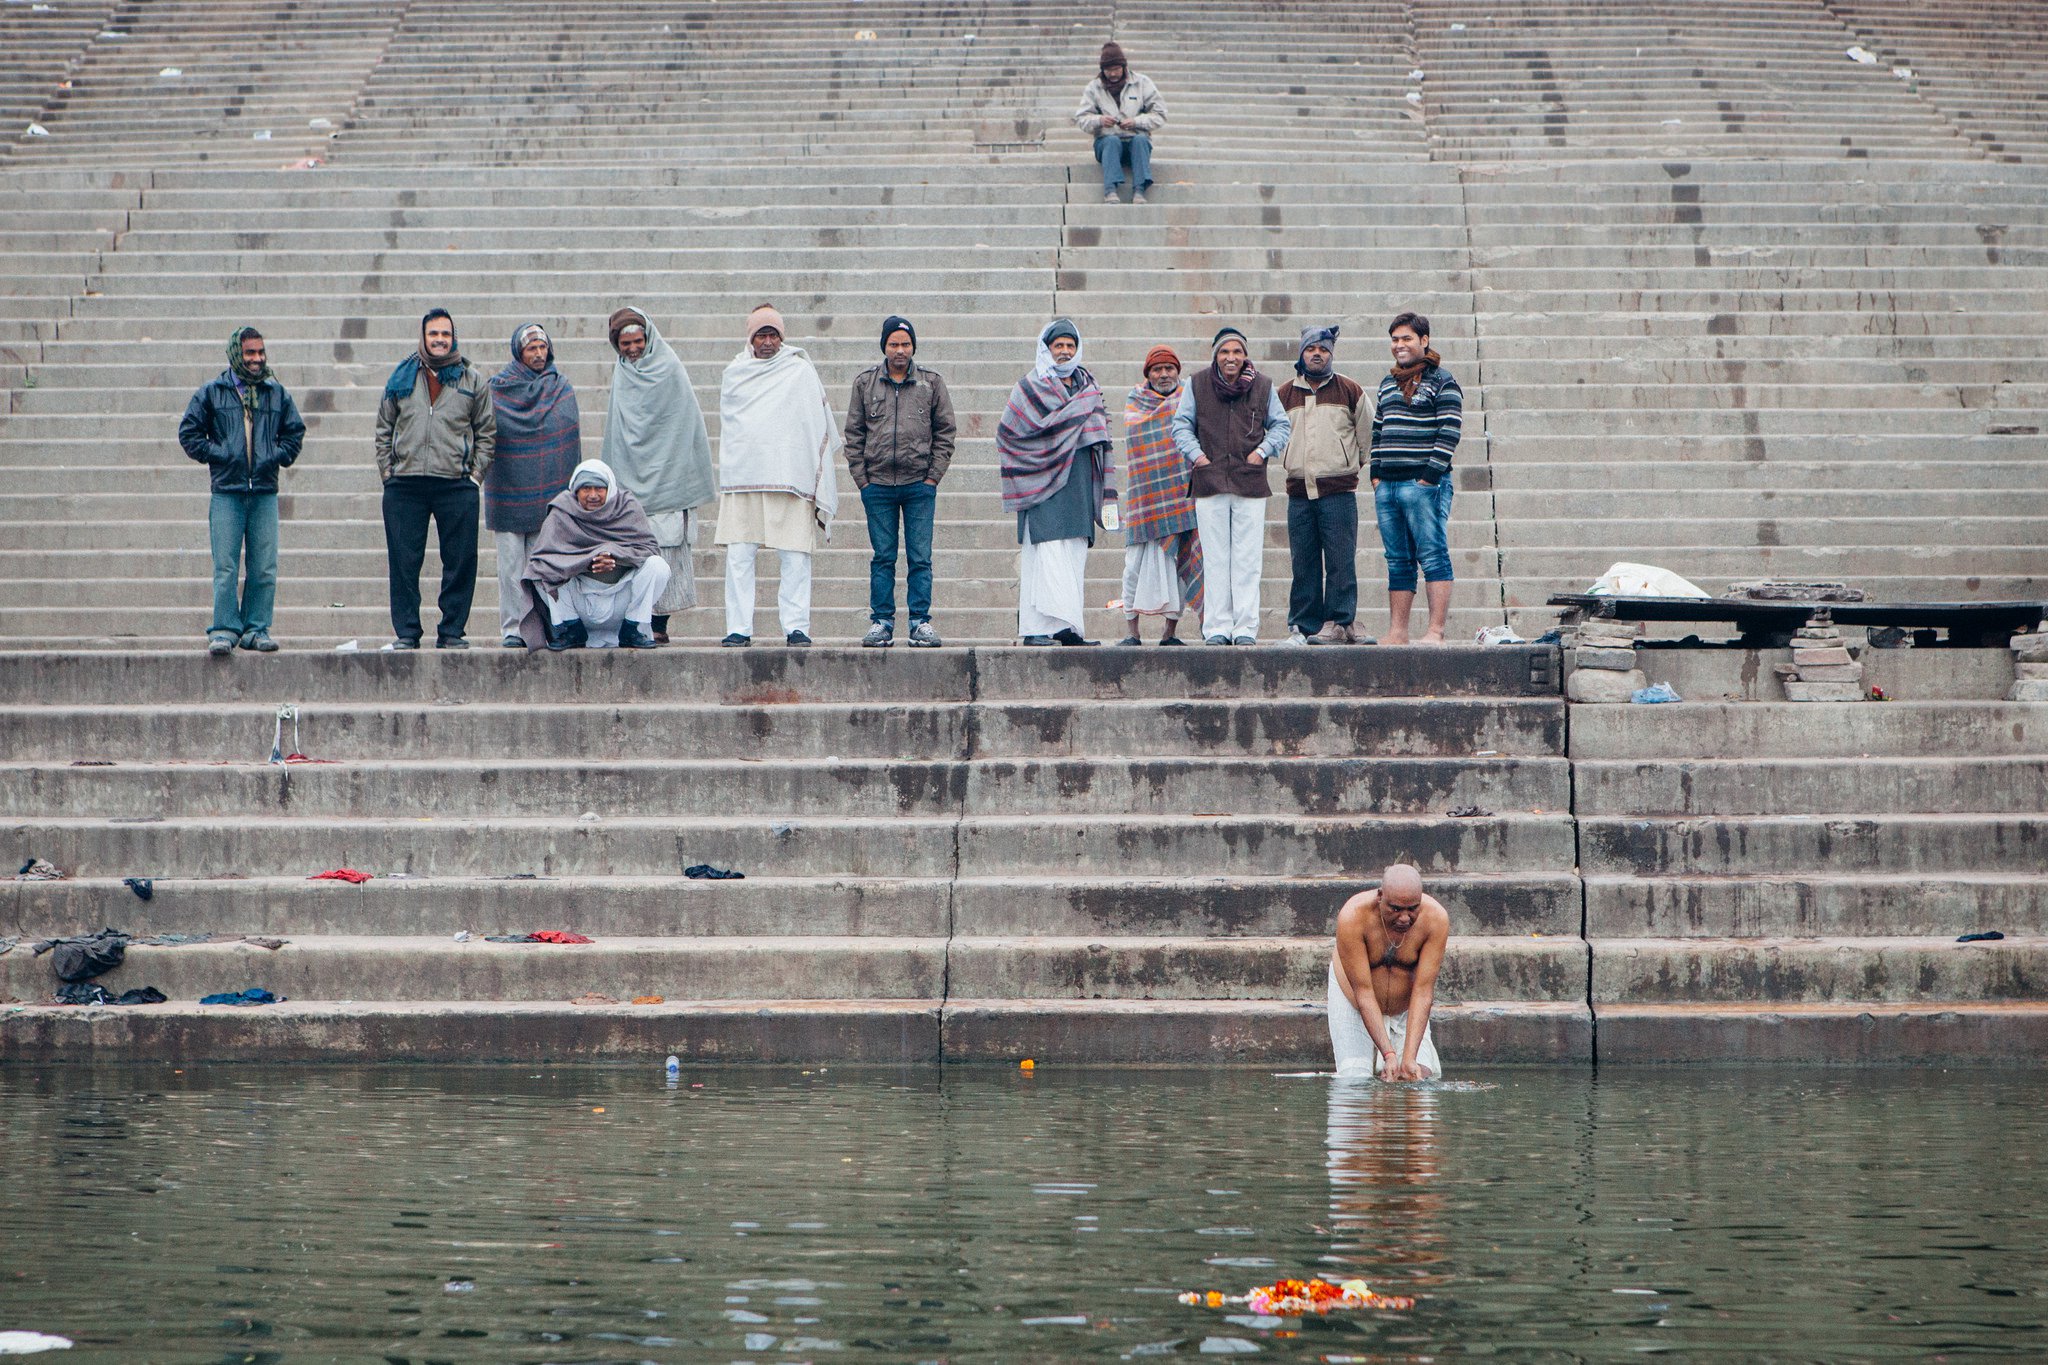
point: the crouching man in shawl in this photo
(1053, 443)
(778, 475)
(654, 440)
(540, 439)
(1162, 552)
(596, 568)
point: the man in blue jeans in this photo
(243, 427)
(1121, 109)
(899, 442)
(1417, 420)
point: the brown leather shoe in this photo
(1331, 634)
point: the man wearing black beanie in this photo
(899, 441)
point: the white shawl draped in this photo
(776, 433)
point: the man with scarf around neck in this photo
(899, 444)
(540, 440)
(595, 571)
(778, 475)
(1162, 551)
(437, 431)
(1321, 464)
(1121, 109)
(1228, 425)
(1053, 447)
(1417, 420)
(243, 427)
(655, 442)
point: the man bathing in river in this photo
(1390, 945)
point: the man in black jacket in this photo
(899, 442)
(243, 427)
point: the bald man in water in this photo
(1390, 946)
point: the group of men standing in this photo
(451, 444)
(1198, 453)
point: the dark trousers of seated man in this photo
(410, 502)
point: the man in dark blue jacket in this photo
(244, 428)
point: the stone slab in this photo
(1929, 1034)
(1616, 660)
(1823, 691)
(1599, 686)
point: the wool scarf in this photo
(1410, 376)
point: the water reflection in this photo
(1386, 1204)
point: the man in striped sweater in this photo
(1415, 428)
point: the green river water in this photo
(257, 1215)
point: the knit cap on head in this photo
(623, 321)
(1060, 327)
(1113, 55)
(1161, 355)
(1319, 336)
(892, 324)
(1226, 334)
(590, 474)
(765, 316)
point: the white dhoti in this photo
(675, 533)
(792, 597)
(1152, 580)
(1051, 586)
(601, 607)
(1355, 1052)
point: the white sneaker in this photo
(1137, 199)
(1112, 198)
(1295, 638)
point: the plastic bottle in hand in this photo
(1112, 518)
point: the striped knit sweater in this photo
(1415, 440)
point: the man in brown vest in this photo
(1229, 424)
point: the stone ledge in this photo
(1948, 1034)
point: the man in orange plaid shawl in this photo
(1162, 552)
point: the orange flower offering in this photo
(1293, 1298)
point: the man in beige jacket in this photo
(1121, 109)
(1321, 464)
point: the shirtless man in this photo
(1392, 938)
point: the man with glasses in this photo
(1390, 947)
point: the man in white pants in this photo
(778, 475)
(1390, 947)
(1230, 422)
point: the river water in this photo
(257, 1215)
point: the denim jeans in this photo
(235, 522)
(453, 506)
(1414, 522)
(916, 503)
(1111, 149)
(1322, 538)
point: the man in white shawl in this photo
(778, 475)
(655, 442)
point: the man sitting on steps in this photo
(1390, 946)
(1121, 109)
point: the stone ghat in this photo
(993, 853)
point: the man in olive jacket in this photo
(436, 432)
(243, 427)
(899, 441)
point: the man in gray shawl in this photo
(655, 441)
(596, 568)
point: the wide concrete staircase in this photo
(965, 854)
(1721, 299)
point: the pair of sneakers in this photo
(258, 641)
(882, 634)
